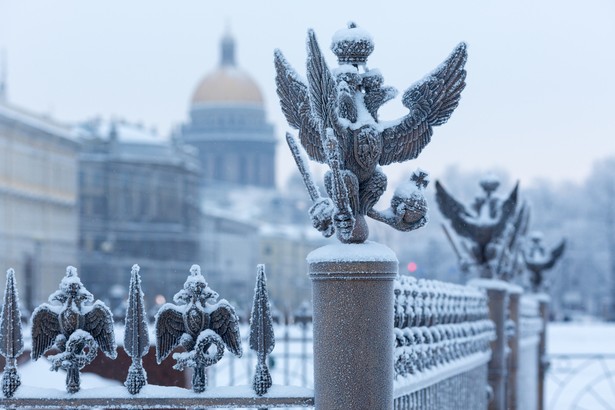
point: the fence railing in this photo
(442, 345)
(452, 344)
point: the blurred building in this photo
(139, 203)
(38, 201)
(227, 125)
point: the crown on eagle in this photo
(352, 45)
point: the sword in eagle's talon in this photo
(343, 219)
(323, 208)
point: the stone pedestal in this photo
(353, 326)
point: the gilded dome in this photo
(228, 83)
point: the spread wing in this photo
(509, 206)
(454, 211)
(431, 102)
(169, 328)
(45, 328)
(556, 254)
(295, 103)
(99, 323)
(225, 323)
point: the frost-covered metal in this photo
(437, 323)
(136, 336)
(197, 323)
(483, 225)
(75, 326)
(336, 114)
(262, 339)
(11, 338)
(538, 260)
(442, 345)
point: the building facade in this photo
(227, 125)
(139, 203)
(38, 202)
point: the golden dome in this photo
(228, 83)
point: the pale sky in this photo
(539, 101)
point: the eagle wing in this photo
(455, 212)
(295, 103)
(169, 329)
(99, 323)
(431, 102)
(556, 254)
(45, 329)
(507, 211)
(225, 323)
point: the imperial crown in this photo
(352, 45)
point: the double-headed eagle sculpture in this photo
(336, 114)
(483, 223)
(196, 324)
(538, 259)
(75, 326)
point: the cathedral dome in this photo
(228, 83)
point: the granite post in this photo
(352, 288)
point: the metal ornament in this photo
(483, 223)
(336, 114)
(262, 338)
(196, 325)
(136, 335)
(73, 326)
(538, 259)
(11, 339)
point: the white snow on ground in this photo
(582, 371)
(37, 374)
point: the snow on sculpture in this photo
(196, 325)
(136, 336)
(538, 259)
(483, 224)
(11, 339)
(262, 339)
(77, 330)
(336, 114)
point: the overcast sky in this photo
(539, 101)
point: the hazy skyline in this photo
(539, 99)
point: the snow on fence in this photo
(442, 345)
(525, 380)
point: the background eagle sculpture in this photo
(483, 223)
(74, 326)
(336, 114)
(196, 325)
(538, 259)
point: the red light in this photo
(412, 267)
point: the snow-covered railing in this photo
(527, 351)
(77, 326)
(442, 345)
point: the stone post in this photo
(513, 357)
(543, 363)
(352, 288)
(498, 295)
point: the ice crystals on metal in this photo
(136, 336)
(74, 326)
(197, 323)
(11, 338)
(262, 339)
(336, 114)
